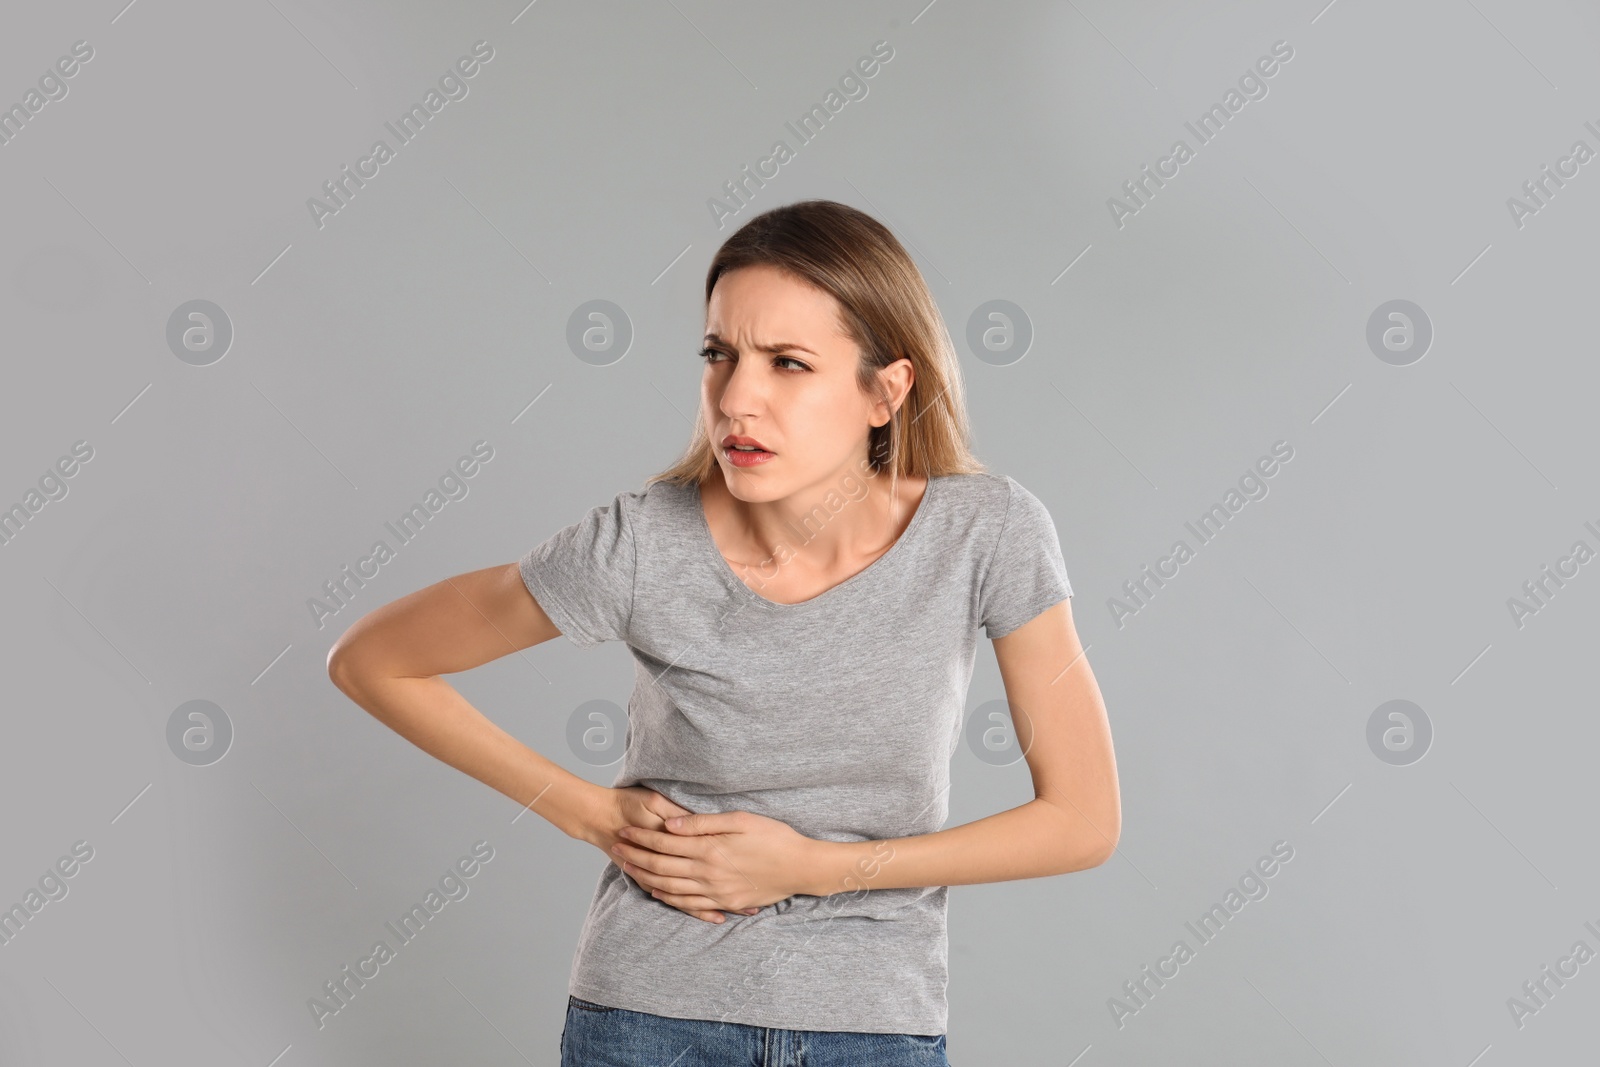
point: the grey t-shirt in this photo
(838, 716)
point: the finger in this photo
(698, 906)
(715, 918)
(659, 841)
(703, 823)
(665, 806)
(645, 878)
(681, 887)
(709, 915)
(655, 862)
(686, 896)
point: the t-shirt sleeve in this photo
(582, 575)
(1026, 573)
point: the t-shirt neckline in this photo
(728, 574)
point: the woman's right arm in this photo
(389, 662)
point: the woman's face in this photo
(779, 371)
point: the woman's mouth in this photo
(746, 456)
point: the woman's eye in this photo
(712, 355)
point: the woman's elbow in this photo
(1109, 830)
(345, 660)
(1113, 836)
(339, 667)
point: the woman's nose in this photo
(744, 390)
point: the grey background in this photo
(1230, 313)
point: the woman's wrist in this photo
(572, 805)
(846, 866)
(827, 866)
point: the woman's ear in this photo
(896, 380)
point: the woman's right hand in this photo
(637, 805)
(633, 805)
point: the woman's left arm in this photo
(1073, 821)
(736, 859)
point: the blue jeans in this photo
(598, 1036)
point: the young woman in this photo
(802, 595)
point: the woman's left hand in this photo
(710, 863)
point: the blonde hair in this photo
(886, 309)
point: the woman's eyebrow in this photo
(774, 347)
